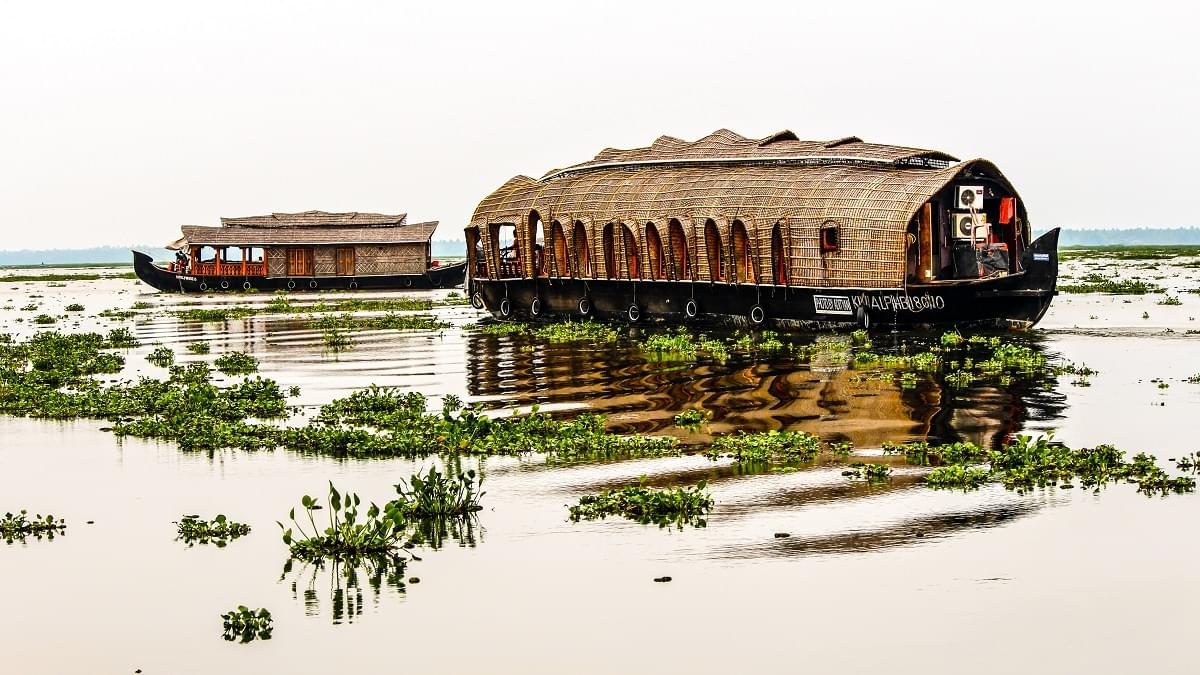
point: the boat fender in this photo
(691, 309)
(408, 283)
(291, 285)
(757, 315)
(203, 286)
(312, 284)
(245, 285)
(353, 285)
(535, 307)
(864, 319)
(505, 308)
(477, 300)
(634, 313)
(585, 306)
(224, 285)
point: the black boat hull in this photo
(446, 276)
(1013, 301)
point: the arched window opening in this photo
(558, 247)
(476, 261)
(504, 238)
(743, 255)
(583, 259)
(681, 262)
(778, 256)
(539, 244)
(610, 253)
(716, 253)
(654, 253)
(629, 243)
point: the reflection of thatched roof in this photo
(306, 235)
(318, 219)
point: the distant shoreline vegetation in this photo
(120, 255)
(456, 248)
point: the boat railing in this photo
(231, 269)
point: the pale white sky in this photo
(119, 121)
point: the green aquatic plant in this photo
(957, 477)
(1170, 300)
(219, 531)
(247, 625)
(575, 331)
(347, 534)
(142, 304)
(384, 322)
(74, 307)
(693, 419)
(681, 345)
(440, 495)
(769, 446)
(869, 472)
(118, 314)
(860, 338)
(502, 328)
(336, 341)
(161, 356)
(951, 339)
(1097, 282)
(236, 363)
(841, 448)
(122, 338)
(215, 314)
(921, 453)
(676, 506)
(31, 307)
(18, 526)
(198, 347)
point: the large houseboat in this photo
(314, 250)
(775, 231)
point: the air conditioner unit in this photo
(963, 222)
(969, 196)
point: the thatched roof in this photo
(318, 219)
(724, 145)
(234, 235)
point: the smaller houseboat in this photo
(313, 250)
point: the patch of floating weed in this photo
(438, 495)
(336, 341)
(161, 356)
(681, 345)
(118, 314)
(219, 531)
(236, 363)
(769, 446)
(142, 304)
(246, 625)
(385, 322)
(676, 506)
(31, 307)
(214, 315)
(1100, 283)
(1027, 462)
(343, 535)
(1170, 300)
(869, 472)
(44, 320)
(198, 347)
(575, 331)
(693, 420)
(74, 307)
(18, 526)
(122, 338)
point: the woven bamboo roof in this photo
(236, 235)
(318, 219)
(724, 145)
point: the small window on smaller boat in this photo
(830, 237)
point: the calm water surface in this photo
(895, 578)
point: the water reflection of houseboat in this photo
(763, 231)
(313, 250)
(825, 398)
